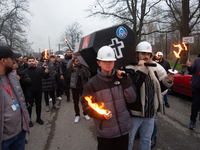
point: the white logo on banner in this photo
(117, 47)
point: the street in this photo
(60, 131)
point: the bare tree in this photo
(12, 22)
(73, 34)
(175, 13)
(132, 12)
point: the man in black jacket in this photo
(60, 78)
(35, 91)
(66, 73)
(165, 64)
(49, 85)
(23, 66)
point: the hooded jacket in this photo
(114, 93)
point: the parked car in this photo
(182, 83)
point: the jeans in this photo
(15, 143)
(155, 129)
(146, 129)
(37, 95)
(165, 98)
(195, 104)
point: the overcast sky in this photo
(51, 18)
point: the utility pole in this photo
(185, 30)
(59, 47)
(49, 46)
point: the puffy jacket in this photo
(19, 93)
(50, 83)
(114, 93)
(75, 71)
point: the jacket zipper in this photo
(115, 110)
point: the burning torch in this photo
(96, 107)
(177, 56)
(67, 44)
(45, 58)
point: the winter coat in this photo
(19, 93)
(36, 74)
(75, 71)
(50, 83)
(165, 64)
(114, 93)
(25, 82)
(138, 75)
(195, 71)
(65, 71)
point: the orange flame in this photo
(95, 106)
(157, 54)
(45, 54)
(180, 49)
(66, 41)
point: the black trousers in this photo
(195, 104)
(76, 95)
(67, 87)
(52, 95)
(37, 95)
(119, 143)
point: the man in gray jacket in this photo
(79, 77)
(14, 118)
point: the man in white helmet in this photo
(165, 64)
(114, 91)
(149, 99)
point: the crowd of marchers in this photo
(132, 95)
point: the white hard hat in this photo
(159, 53)
(106, 53)
(144, 47)
(61, 56)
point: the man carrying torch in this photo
(112, 91)
(149, 99)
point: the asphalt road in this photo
(61, 133)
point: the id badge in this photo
(15, 106)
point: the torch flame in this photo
(180, 49)
(95, 106)
(185, 46)
(66, 41)
(157, 54)
(45, 54)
